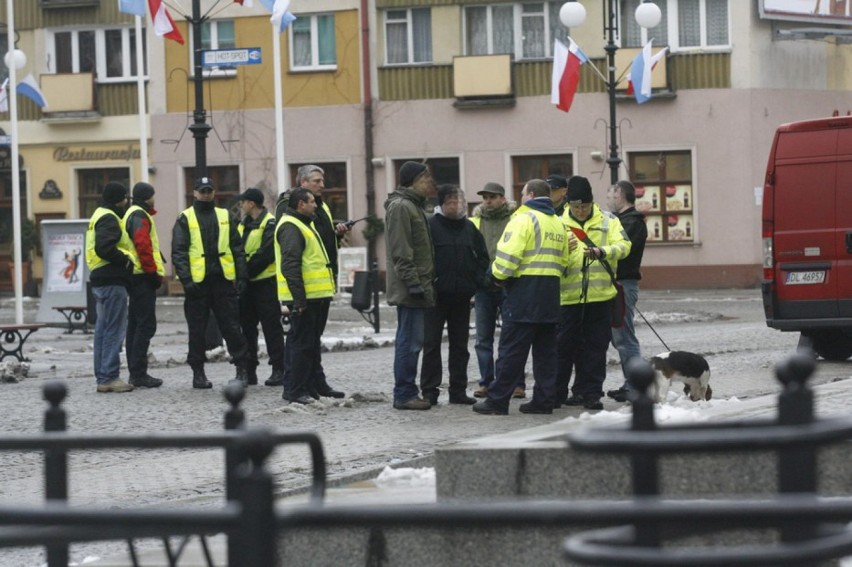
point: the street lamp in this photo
(648, 15)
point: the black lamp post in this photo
(199, 126)
(648, 15)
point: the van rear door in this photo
(805, 246)
(843, 214)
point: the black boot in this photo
(243, 376)
(252, 375)
(276, 379)
(199, 379)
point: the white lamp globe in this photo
(18, 56)
(572, 14)
(648, 15)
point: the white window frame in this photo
(674, 30)
(315, 64)
(100, 52)
(517, 27)
(409, 28)
(211, 72)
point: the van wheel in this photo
(835, 345)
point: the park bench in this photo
(13, 337)
(77, 317)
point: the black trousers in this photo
(456, 315)
(141, 325)
(516, 341)
(583, 338)
(259, 304)
(304, 347)
(220, 296)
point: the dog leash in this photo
(636, 309)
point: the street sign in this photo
(230, 57)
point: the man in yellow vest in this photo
(207, 253)
(147, 278)
(306, 286)
(260, 301)
(532, 257)
(111, 260)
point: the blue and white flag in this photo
(135, 7)
(281, 15)
(30, 89)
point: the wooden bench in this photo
(13, 337)
(77, 317)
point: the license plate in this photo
(805, 278)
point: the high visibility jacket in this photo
(252, 245)
(605, 231)
(197, 263)
(125, 245)
(155, 242)
(533, 244)
(317, 276)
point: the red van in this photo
(807, 234)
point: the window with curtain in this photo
(109, 53)
(312, 45)
(215, 34)
(408, 36)
(526, 30)
(686, 25)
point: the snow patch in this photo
(406, 477)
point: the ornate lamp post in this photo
(648, 15)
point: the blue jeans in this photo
(111, 307)
(410, 326)
(486, 305)
(624, 338)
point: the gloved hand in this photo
(242, 287)
(192, 289)
(416, 292)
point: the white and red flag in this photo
(164, 25)
(566, 73)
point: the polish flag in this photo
(163, 23)
(640, 72)
(246, 3)
(566, 73)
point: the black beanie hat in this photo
(579, 191)
(143, 191)
(114, 193)
(409, 172)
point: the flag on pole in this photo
(30, 89)
(566, 73)
(4, 96)
(163, 23)
(246, 3)
(281, 15)
(640, 72)
(134, 7)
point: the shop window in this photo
(664, 193)
(335, 192)
(226, 180)
(525, 168)
(91, 183)
(444, 170)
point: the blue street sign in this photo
(230, 57)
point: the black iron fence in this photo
(641, 531)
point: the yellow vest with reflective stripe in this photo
(197, 265)
(533, 244)
(125, 245)
(252, 245)
(316, 272)
(605, 231)
(155, 243)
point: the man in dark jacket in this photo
(259, 304)
(411, 270)
(147, 279)
(306, 286)
(461, 264)
(621, 200)
(207, 253)
(111, 260)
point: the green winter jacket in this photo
(410, 257)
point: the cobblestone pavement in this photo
(358, 436)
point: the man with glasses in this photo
(208, 256)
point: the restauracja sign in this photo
(66, 153)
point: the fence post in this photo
(797, 466)
(644, 464)
(256, 537)
(235, 418)
(55, 462)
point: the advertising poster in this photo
(825, 11)
(63, 270)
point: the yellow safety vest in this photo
(533, 244)
(252, 245)
(316, 271)
(155, 242)
(605, 231)
(197, 265)
(125, 245)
